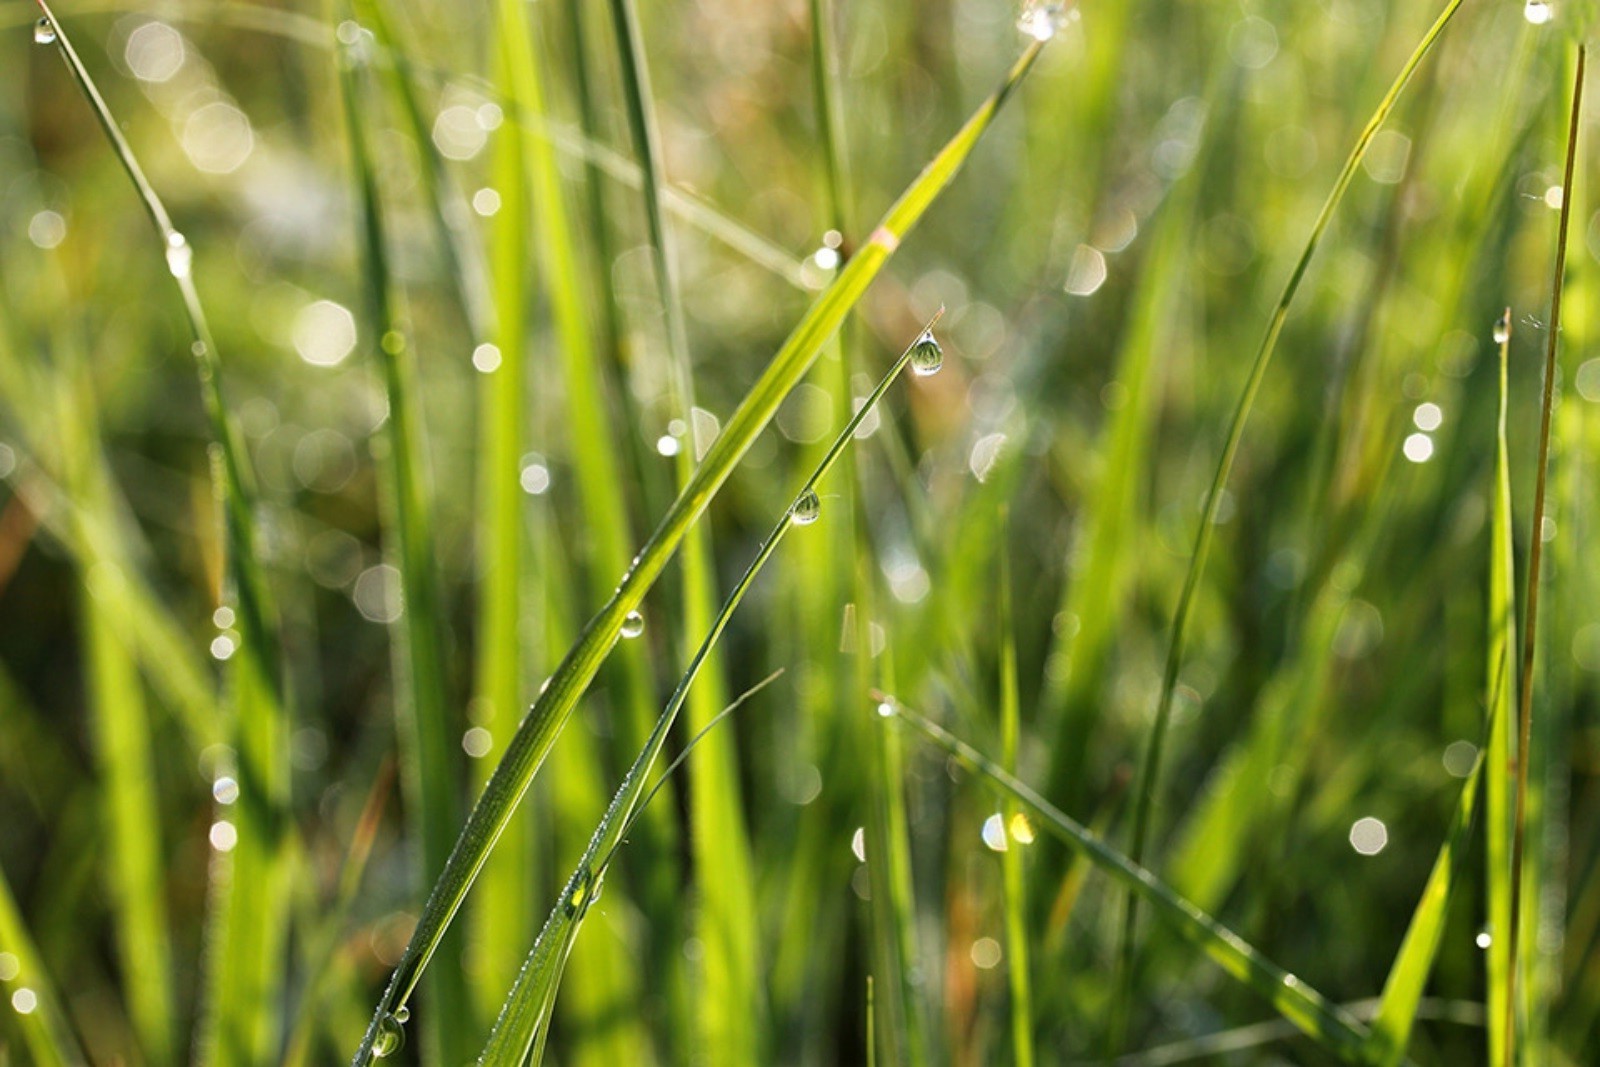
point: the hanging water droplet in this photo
(632, 624)
(390, 1038)
(1538, 12)
(1502, 328)
(402, 1014)
(179, 255)
(806, 510)
(1042, 20)
(579, 897)
(926, 356)
(44, 32)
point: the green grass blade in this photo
(1530, 619)
(1016, 900)
(528, 1005)
(1312, 1014)
(429, 752)
(45, 1032)
(1150, 766)
(245, 949)
(544, 721)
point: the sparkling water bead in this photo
(1043, 19)
(806, 510)
(390, 1038)
(44, 32)
(926, 356)
(180, 257)
(633, 624)
(1502, 329)
(402, 1014)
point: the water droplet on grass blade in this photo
(180, 257)
(44, 32)
(1538, 12)
(581, 895)
(632, 624)
(1502, 328)
(926, 356)
(402, 1014)
(806, 510)
(1043, 19)
(390, 1038)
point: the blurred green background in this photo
(1108, 260)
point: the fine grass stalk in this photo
(1015, 894)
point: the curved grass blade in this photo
(245, 948)
(1530, 619)
(1329, 1025)
(45, 1032)
(1150, 767)
(528, 1005)
(544, 721)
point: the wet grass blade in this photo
(429, 764)
(1150, 766)
(250, 927)
(1530, 618)
(544, 721)
(1329, 1025)
(45, 1032)
(527, 1007)
(1016, 900)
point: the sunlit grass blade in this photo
(1150, 765)
(246, 944)
(429, 753)
(1523, 756)
(529, 1002)
(1015, 895)
(544, 721)
(1312, 1014)
(45, 1031)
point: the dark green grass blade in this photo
(549, 713)
(528, 1005)
(1530, 619)
(1324, 1022)
(429, 763)
(246, 945)
(1150, 766)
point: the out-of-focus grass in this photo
(1109, 257)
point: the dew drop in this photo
(180, 257)
(1043, 19)
(402, 1014)
(44, 32)
(886, 710)
(1484, 938)
(579, 896)
(1502, 329)
(806, 510)
(632, 624)
(926, 356)
(389, 1039)
(1538, 12)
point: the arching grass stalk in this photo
(1324, 1022)
(523, 1020)
(1530, 618)
(1150, 768)
(540, 727)
(245, 946)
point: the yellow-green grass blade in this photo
(246, 945)
(1324, 1022)
(1150, 765)
(1523, 756)
(121, 724)
(44, 1027)
(527, 1007)
(1016, 900)
(544, 721)
(429, 752)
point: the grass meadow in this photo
(810, 532)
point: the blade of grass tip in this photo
(550, 711)
(121, 725)
(429, 771)
(36, 1007)
(1501, 685)
(1530, 618)
(528, 1004)
(1327, 1024)
(1016, 901)
(249, 935)
(1150, 767)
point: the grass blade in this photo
(1530, 618)
(1150, 766)
(527, 1007)
(544, 721)
(1329, 1025)
(44, 1029)
(1016, 901)
(246, 947)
